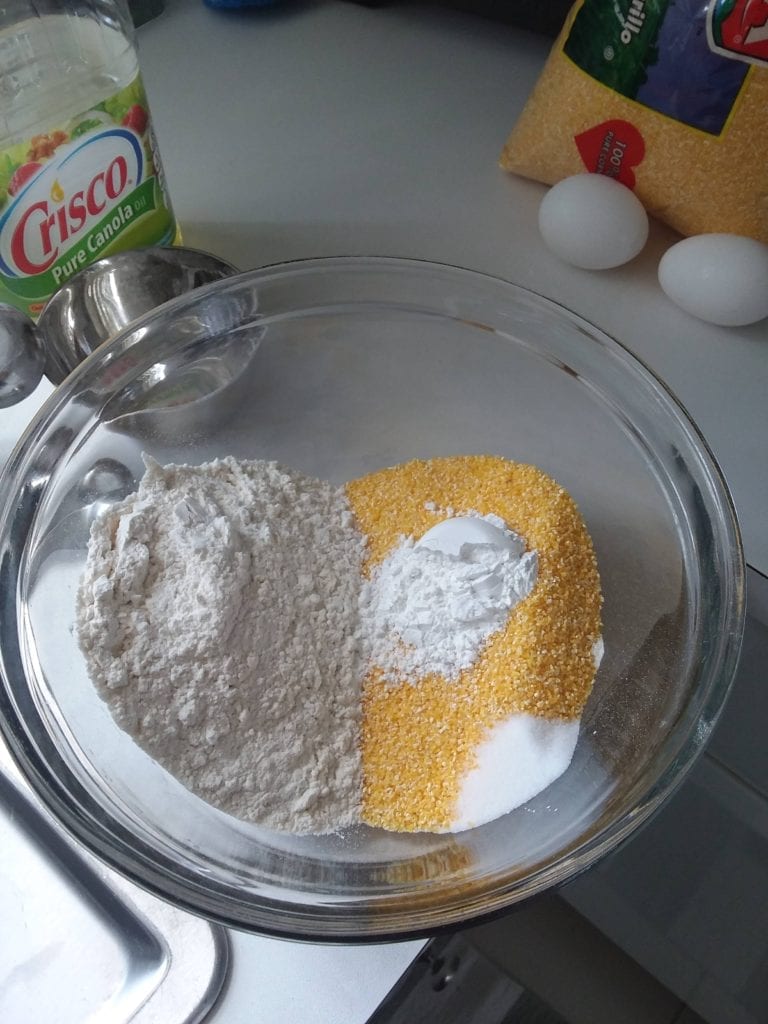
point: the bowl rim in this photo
(54, 783)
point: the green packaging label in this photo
(661, 54)
(78, 192)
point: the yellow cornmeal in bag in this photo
(670, 98)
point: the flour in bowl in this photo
(218, 617)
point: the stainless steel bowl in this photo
(99, 301)
(108, 295)
(22, 357)
(358, 364)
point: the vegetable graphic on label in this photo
(739, 29)
(21, 176)
(42, 147)
(136, 118)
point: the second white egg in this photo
(720, 278)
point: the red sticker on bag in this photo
(739, 28)
(613, 148)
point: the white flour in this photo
(217, 614)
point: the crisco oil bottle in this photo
(80, 172)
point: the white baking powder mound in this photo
(432, 605)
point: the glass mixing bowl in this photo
(337, 367)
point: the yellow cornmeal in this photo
(419, 740)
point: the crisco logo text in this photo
(75, 204)
(52, 227)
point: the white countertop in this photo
(315, 129)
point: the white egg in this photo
(720, 278)
(593, 222)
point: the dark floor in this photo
(543, 964)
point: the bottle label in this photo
(83, 190)
(688, 60)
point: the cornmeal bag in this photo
(668, 96)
